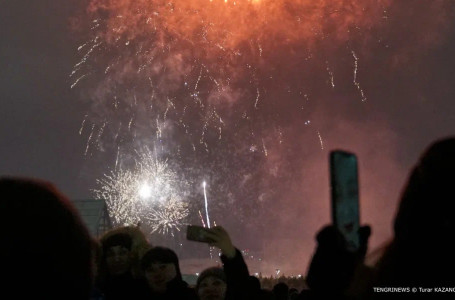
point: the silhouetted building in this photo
(95, 215)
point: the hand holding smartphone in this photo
(216, 236)
(345, 196)
(197, 234)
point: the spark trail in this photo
(206, 205)
(356, 60)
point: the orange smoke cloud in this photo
(227, 25)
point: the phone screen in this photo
(345, 196)
(197, 234)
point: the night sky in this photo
(267, 171)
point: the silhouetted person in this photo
(333, 266)
(255, 291)
(117, 278)
(236, 272)
(422, 250)
(254, 283)
(96, 293)
(421, 254)
(45, 248)
(211, 284)
(281, 291)
(164, 279)
(293, 294)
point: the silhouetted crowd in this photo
(47, 252)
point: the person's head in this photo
(117, 253)
(42, 234)
(254, 283)
(128, 245)
(160, 266)
(428, 202)
(281, 290)
(211, 284)
(421, 251)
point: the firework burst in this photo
(167, 217)
(150, 194)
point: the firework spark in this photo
(199, 77)
(186, 59)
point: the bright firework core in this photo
(145, 191)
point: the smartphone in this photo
(197, 234)
(345, 196)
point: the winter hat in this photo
(161, 255)
(211, 272)
(118, 239)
